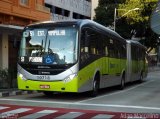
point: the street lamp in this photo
(115, 15)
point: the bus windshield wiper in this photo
(49, 49)
(41, 49)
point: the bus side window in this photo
(92, 48)
(123, 51)
(132, 52)
(84, 44)
(105, 45)
(111, 49)
(106, 51)
(116, 48)
(99, 43)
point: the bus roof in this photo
(136, 43)
(80, 22)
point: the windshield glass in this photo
(49, 45)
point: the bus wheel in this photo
(122, 85)
(48, 93)
(141, 78)
(95, 89)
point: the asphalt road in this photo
(135, 98)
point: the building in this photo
(94, 6)
(69, 9)
(14, 15)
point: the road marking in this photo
(70, 115)
(13, 112)
(38, 114)
(2, 107)
(103, 116)
(85, 104)
(61, 113)
(121, 106)
(125, 90)
(36, 101)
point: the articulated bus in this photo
(76, 56)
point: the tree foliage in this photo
(132, 15)
(104, 12)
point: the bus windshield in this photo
(49, 45)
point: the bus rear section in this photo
(137, 67)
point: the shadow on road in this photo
(71, 97)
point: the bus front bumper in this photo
(57, 86)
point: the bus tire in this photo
(95, 89)
(122, 85)
(48, 93)
(141, 77)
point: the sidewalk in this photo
(12, 92)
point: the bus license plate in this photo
(45, 86)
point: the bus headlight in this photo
(22, 77)
(69, 78)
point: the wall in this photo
(4, 50)
(15, 13)
(94, 5)
(0, 51)
(82, 7)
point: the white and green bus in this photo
(74, 56)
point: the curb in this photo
(17, 92)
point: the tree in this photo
(139, 20)
(128, 19)
(105, 11)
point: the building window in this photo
(88, 0)
(66, 13)
(24, 2)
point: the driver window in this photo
(84, 44)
